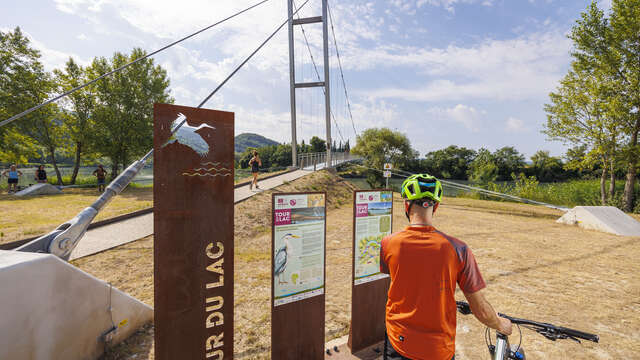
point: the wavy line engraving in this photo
(207, 174)
(212, 169)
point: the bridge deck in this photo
(123, 232)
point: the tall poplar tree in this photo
(598, 102)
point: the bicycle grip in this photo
(579, 334)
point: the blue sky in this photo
(473, 73)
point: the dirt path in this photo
(534, 269)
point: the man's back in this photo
(425, 266)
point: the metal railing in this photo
(317, 160)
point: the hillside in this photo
(243, 141)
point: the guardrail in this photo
(313, 161)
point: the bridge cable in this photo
(459, 186)
(174, 130)
(344, 85)
(313, 60)
(18, 116)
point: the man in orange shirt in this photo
(425, 265)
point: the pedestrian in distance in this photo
(101, 174)
(425, 265)
(13, 176)
(41, 175)
(255, 164)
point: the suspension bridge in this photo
(74, 239)
(329, 111)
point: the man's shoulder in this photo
(392, 237)
(454, 241)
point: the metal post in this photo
(292, 88)
(327, 97)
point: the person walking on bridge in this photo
(425, 265)
(255, 164)
(13, 175)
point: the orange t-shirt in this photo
(425, 265)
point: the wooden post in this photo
(193, 233)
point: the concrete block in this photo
(39, 189)
(608, 219)
(53, 310)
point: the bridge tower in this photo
(293, 85)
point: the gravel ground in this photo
(534, 268)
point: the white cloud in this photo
(515, 125)
(514, 69)
(82, 37)
(463, 114)
(52, 58)
(411, 6)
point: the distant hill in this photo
(243, 141)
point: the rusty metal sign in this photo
(193, 233)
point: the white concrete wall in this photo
(49, 309)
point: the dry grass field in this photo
(534, 268)
(32, 216)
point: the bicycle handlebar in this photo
(550, 331)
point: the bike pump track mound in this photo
(602, 218)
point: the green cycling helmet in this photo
(420, 186)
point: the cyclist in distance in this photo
(424, 265)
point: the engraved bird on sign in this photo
(187, 136)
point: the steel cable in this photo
(146, 156)
(480, 190)
(313, 61)
(344, 85)
(18, 116)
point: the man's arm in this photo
(483, 311)
(384, 268)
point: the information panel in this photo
(298, 278)
(193, 233)
(372, 222)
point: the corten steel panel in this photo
(368, 300)
(297, 328)
(193, 233)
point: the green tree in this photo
(24, 83)
(122, 127)
(378, 146)
(20, 77)
(509, 161)
(609, 47)
(546, 168)
(80, 104)
(317, 144)
(483, 169)
(448, 163)
(576, 161)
